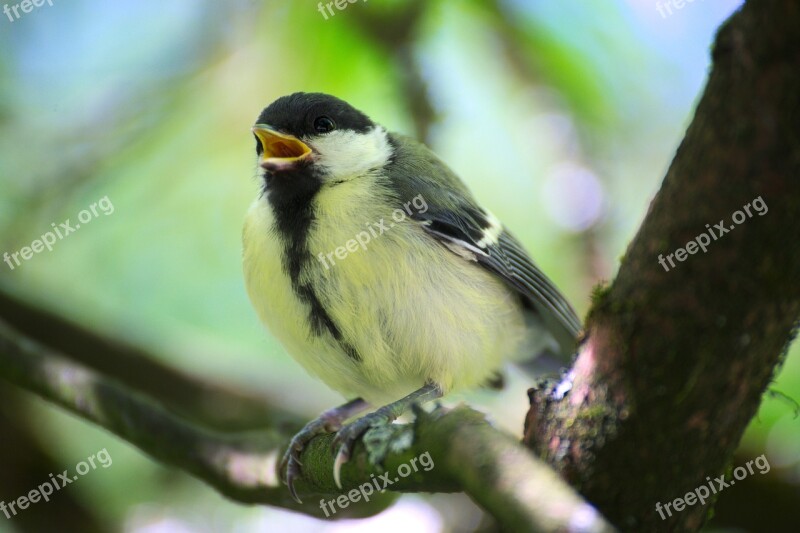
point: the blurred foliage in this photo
(561, 116)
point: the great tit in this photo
(372, 263)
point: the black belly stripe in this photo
(351, 352)
(321, 321)
(291, 200)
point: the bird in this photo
(372, 263)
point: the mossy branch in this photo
(677, 358)
(467, 453)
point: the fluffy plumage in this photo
(445, 295)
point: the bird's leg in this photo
(328, 422)
(349, 434)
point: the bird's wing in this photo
(454, 219)
(480, 237)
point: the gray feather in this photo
(454, 218)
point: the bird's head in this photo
(319, 137)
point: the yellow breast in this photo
(412, 310)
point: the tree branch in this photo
(676, 361)
(673, 367)
(212, 404)
(521, 492)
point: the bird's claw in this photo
(342, 456)
(292, 473)
(291, 463)
(343, 444)
(346, 438)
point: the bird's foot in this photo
(327, 422)
(291, 464)
(346, 437)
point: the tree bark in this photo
(466, 453)
(675, 362)
(673, 366)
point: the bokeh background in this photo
(562, 117)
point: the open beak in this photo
(280, 151)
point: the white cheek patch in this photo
(345, 154)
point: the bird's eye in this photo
(324, 124)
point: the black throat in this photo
(291, 195)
